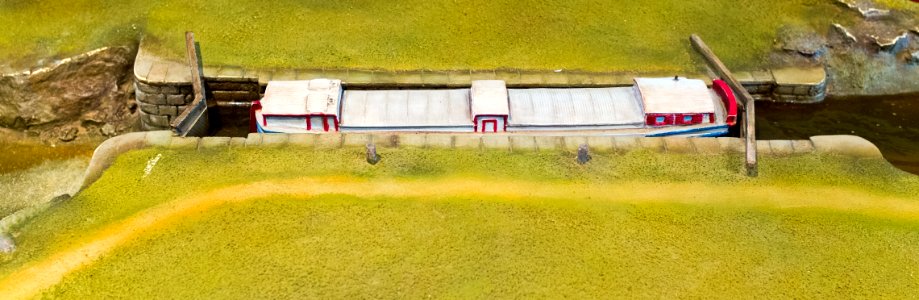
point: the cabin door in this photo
(489, 126)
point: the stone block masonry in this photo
(800, 85)
(160, 103)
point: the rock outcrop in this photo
(800, 40)
(86, 95)
(866, 8)
(874, 55)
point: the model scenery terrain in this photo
(459, 149)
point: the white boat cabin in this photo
(652, 107)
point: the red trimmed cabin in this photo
(675, 101)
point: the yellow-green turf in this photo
(339, 246)
(594, 35)
(906, 5)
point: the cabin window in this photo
(687, 119)
(659, 120)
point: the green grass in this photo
(343, 246)
(32, 173)
(36, 30)
(648, 36)
(907, 5)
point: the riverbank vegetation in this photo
(415, 34)
(476, 223)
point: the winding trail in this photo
(30, 280)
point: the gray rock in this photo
(804, 41)
(67, 134)
(108, 130)
(874, 13)
(914, 58)
(866, 8)
(7, 245)
(844, 33)
(891, 44)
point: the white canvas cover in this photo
(405, 109)
(489, 97)
(574, 107)
(305, 97)
(674, 96)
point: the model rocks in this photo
(86, 95)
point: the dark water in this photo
(890, 122)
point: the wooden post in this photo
(193, 54)
(749, 119)
(583, 154)
(194, 119)
(372, 156)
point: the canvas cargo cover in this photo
(406, 108)
(574, 107)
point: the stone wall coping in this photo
(850, 145)
(106, 153)
(148, 68)
(799, 76)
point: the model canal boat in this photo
(652, 107)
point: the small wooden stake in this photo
(372, 156)
(583, 154)
(749, 119)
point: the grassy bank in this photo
(415, 34)
(468, 223)
(347, 247)
(33, 173)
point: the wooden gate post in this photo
(194, 120)
(749, 119)
(193, 54)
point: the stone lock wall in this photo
(160, 103)
(801, 93)
(799, 85)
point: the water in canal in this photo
(890, 122)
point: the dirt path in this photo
(30, 280)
